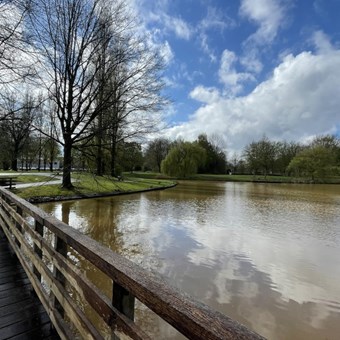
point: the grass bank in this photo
(243, 178)
(88, 185)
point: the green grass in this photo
(33, 178)
(242, 178)
(146, 174)
(87, 184)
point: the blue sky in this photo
(240, 69)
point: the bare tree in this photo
(15, 63)
(68, 34)
(156, 152)
(18, 126)
(135, 86)
(95, 68)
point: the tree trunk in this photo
(67, 184)
(51, 157)
(39, 154)
(100, 148)
(113, 159)
(14, 164)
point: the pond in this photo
(267, 255)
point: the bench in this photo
(8, 181)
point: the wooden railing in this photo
(43, 245)
(8, 180)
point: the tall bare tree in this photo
(84, 45)
(137, 98)
(18, 126)
(68, 36)
(15, 63)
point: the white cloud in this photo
(205, 94)
(206, 48)
(228, 74)
(178, 26)
(251, 62)
(166, 52)
(267, 14)
(214, 20)
(299, 100)
(156, 12)
(322, 42)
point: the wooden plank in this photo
(11, 285)
(44, 332)
(9, 268)
(39, 228)
(13, 276)
(191, 318)
(18, 305)
(61, 248)
(123, 300)
(24, 326)
(14, 295)
(62, 328)
(96, 299)
(14, 307)
(75, 314)
(18, 316)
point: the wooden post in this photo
(123, 300)
(18, 226)
(61, 247)
(39, 228)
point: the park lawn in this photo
(33, 178)
(214, 177)
(269, 179)
(88, 184)
(242, 178)
(147, 174)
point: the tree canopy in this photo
(215, 162)
(183, 159)
(317, 161)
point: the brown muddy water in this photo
(267, 255)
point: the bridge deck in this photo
(22, 316)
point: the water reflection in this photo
(266, 255)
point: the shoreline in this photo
(47, 199)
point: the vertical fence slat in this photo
(18, 226)
(61, 247)
(123, 300)
(39, 228)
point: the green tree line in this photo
(318, 159)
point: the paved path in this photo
(55, 178)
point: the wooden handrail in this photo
(8, 180)
(51, 271)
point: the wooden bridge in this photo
(45, 248)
